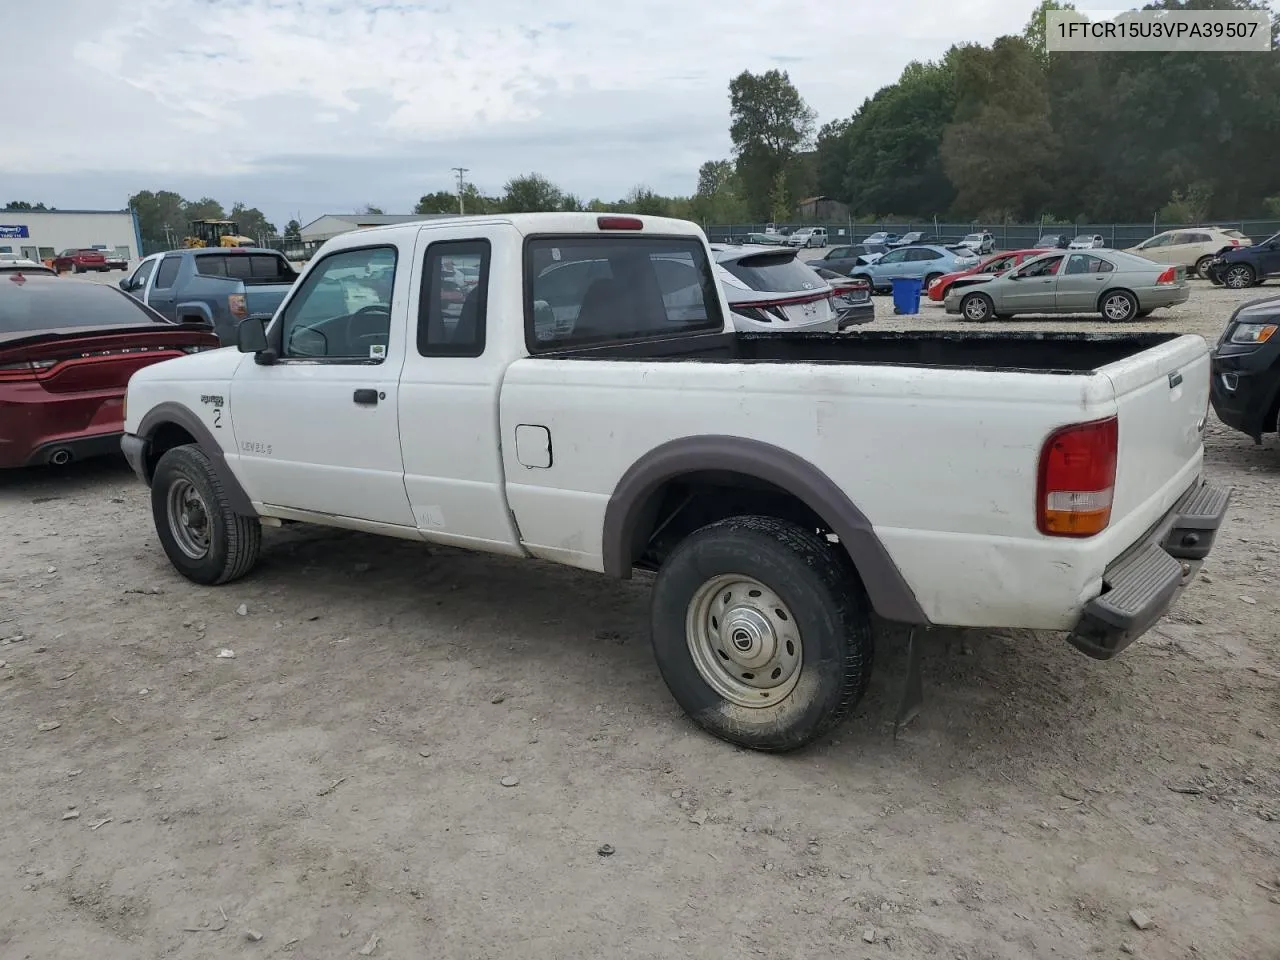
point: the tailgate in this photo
(265, 299)
(1162, 399)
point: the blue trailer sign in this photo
(14, 231)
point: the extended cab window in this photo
(342, 311)
(454, 297)
(592, 290)
(167, 273)
(249, 267)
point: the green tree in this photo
(779, 198)
(293, 230)
(206, 208)
(442, 201)
(770, 125)
(719, 196)
(23, 205)
(644, 201)
(162, 220)
(371, 210)
(531, 193)
(252, 221)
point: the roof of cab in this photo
(527, 224)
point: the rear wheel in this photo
(977, 307)
(1202, 267)
(762, 632)
(205, 540)
(929, 279)
(1238, 276)
(1118, 306)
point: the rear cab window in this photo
(249, 267)
(594, 290)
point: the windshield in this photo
(49, 304)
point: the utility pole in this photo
(460, 171)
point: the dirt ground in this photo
(335, 787)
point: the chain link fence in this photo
(1008, 236)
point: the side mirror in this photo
(126, 284)
(1015, 276)
(251, 337)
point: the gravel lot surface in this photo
(336, 787)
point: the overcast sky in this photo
(304, 107)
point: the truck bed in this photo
(1026, 352)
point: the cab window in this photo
(342, 311)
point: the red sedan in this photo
(79, 261)
(67, 350)
(998, 263)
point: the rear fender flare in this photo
(181, 416)
(890, 595)
(194, 308)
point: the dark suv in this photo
(1241, 267)
(1245, 385)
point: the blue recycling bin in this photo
(906, 294)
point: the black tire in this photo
(1202, 267)
(1118, 306)
(977, 307)
(929, 279)
(1239, 276)
(812, 579)
(233, 541)
(78, 269)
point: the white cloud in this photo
(598, 96)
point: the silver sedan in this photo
(1120, 286)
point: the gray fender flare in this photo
(890, 595)
(179, 415)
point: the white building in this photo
(334, 224)
(41, 234)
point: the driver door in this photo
(317, 430)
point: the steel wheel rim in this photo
(1237, 277)
(975, 308)
(188, 519)
(744, 641)
(1117, 307)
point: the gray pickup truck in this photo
(215, 286)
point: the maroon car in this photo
(78, 261)
(67, 350)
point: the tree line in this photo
(164, 218)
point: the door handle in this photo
(365, 397)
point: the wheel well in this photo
(1110, 290)
(163, 439)
(689, 502)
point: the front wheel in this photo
(977, 307)
(762, 633)
(1239, 276)
(1118, 306)
(206, 541)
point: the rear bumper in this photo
(36, 424)
(855, 315)
(60, 452)
(1139, 588)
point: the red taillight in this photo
(1168, 276)
(619, 223)
(24, 370)
(239, 308)
(1077, 479)
(1235, 243)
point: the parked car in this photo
(981, 271)
(928, 263)
(80, 261)
(218, 286)
(881, 239)
(1191, 247)
(1087, 241)
(113, 258)
(843, 259)
(1053, 241)
(646, 434)
(915, 236)
(852, 299)
(766, 239)
(1245, 384)
(808, 237)
(67, 350)
(1246, 266)
(770, 290)
(980, 243)
(1120, 286)
(25, 267)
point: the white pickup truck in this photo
(567, 387)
